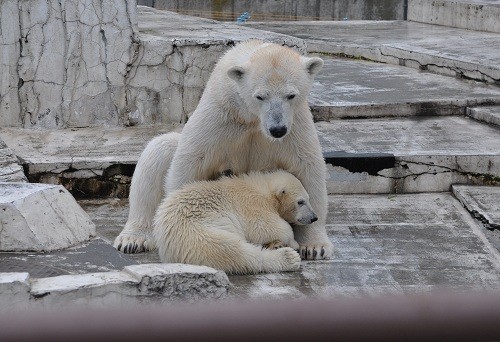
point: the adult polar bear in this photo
(252, 116)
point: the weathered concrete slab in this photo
(10, 168)
(483, 202)
(41, 217)
(147, 283)
(96, 255)
(481, 15)
(444, 50)
(110, 216)
(187, 30)
(354, 88)
(90, 162)
(489, 114)
(409, 155)
(389, 244)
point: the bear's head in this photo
(274, 83)
(293, 200)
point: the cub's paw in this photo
(316, 251)
(133, 243)
(290, 259)
(275, 244)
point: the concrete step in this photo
(444, 50)
(480, 15)
(348, 88)
(409, 155)
(482, 202)
(396, 155)
(488, 114)
(89, 162)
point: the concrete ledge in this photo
(146, 283)
(10, 169)
(482, 202)
(479, 15)
(438, 49)
(41, 217)
(489, 114)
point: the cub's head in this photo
(294, 206)
(274, 82)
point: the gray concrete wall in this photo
(479, 15)
(289, 9)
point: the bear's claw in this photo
(316, 252)
(131, 243)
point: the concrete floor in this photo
(385, 244)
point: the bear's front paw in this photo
(316, 251)
(275, 244)
(133, 243)
(291, 259)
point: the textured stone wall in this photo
(64, 63)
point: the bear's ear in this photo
(236, 73)
(313, 64)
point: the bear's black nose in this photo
(314, 219)
(278, 132)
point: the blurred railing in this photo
(458, 316)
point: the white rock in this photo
(40, 217)
(14, 291)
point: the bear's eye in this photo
(291, 96)
(260, 98)
(301, 202)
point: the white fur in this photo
(231, 130)
(223, 224)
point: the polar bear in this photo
(223, 224)
(252, 116)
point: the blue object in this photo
(243, 18)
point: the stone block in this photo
(39, 217)
(490, 114)
(14, 291)
(180, 281)
(146, 283)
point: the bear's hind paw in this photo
(291, 259)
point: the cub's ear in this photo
(236, 73)
(312, 64)
(280, 193)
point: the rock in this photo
(137, 284)
(10, 169)
(39, 217)
(14, 291)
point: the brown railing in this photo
(459, 316)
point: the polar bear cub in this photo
(223, 224)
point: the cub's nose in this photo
(314, 219)
(278, 131)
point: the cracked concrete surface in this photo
(429, 154)
(480, 15)
(443, 50)
(482, 202)
(489, 114)
(87, 63)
